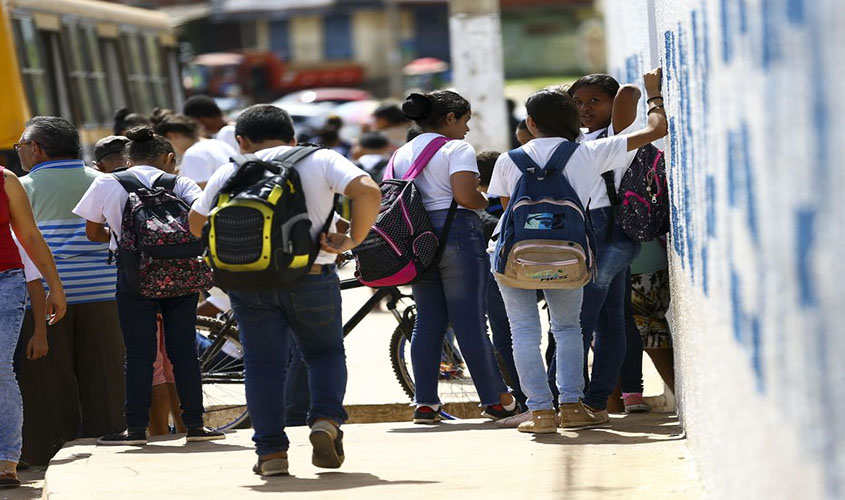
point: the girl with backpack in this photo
(608, 110)
(16, 215)
(554, 119)
(149, 180)
(451, 291)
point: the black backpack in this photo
(641, 205)
(258, 235)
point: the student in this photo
(453, 292)
(606, 109)
(207, 113)
(149, 156)
(391, 121)
(553, 118)
(522, 133)
(124, 119)
(108, 154)
(198, 157)
(16, 215)
(372, 153)
(309, 311)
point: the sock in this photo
(626, 394)
(511, 406)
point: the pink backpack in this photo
(402, 244)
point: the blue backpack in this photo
(546, 239)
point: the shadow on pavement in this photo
(32, 482)
(202, 447)
(449, 426)
(641, 428)
(327, 481)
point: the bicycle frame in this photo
(392, 294)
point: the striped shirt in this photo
(54, 188)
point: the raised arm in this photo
(366, 200)
(465, 190)
(30, 238)
(625, 107)
(656, 126)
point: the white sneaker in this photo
(513, 421)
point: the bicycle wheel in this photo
(455, 384)
(222, 368)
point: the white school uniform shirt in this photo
(434, 182)
(598, 194)
(204, 158)
(105, 199)
(323, 174)
(30, 272)
(227, 135)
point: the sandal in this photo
(8, 479)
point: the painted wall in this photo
(756, 144)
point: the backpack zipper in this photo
(561, 203)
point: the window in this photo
(280, 39)
(114, 74)
(87, 77)
(337, 37)
(157, 76)
(136, 66)
(35, 68)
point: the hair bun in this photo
(140, 134)
(417, 107)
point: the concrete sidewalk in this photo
(642, 456)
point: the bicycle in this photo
(222, 371)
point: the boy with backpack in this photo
(546, 243)
(146, 209)
(294, 293)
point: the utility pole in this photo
(475, 28)
(394, 53)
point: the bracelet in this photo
(648, 101)
(658, 106)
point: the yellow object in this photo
(264, 258)
(299, 261)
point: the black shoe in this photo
(125, 438)
(498, 412)
(327, 442)
(22, 465)
(204, 434)
(271, 466)
(426, 415)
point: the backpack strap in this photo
(290, 157)
(128, 181)
(557, 161)
(420, 161)
(167, 181)
(523, 162)
(609, 186)
(561, 156)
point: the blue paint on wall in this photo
(736, 305)
(771, 50)
(748, 180)
(805, 239)
(727, 40)
(742, 5)
(710, 188)
(757, 353)
(732, 152)
(795, 11)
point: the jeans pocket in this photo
(315, 307)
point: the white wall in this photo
(757, 150)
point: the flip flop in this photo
(8, 479)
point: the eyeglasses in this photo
(18, 145)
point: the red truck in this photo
(262, 76)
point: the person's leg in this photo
(138, 324)
(160, 398)
(521, 306)
(631, 374)
(565, 312)
(49, 390)
(297, 395)
(264, 332)
(99, 363)
(314, 308)
(502, 341)
(463, 271)
(180, 328)
(609, 350)
(12, 300)
(427, 337)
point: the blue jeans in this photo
(565, 307)
(297, 396)
(454, 293)
(138, 324)
(502, 340)
(309, 312)
(12, 300)
(631, 374)
(603, 311)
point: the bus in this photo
(82, 60)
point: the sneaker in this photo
(577, 416)
(634, 403)
(424, 414)
(498, 412)
(204, 434)
(271, 466)
(514, 421)
(541, 422)
(327, 442)
(125, 438)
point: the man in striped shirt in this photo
(79, 385)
